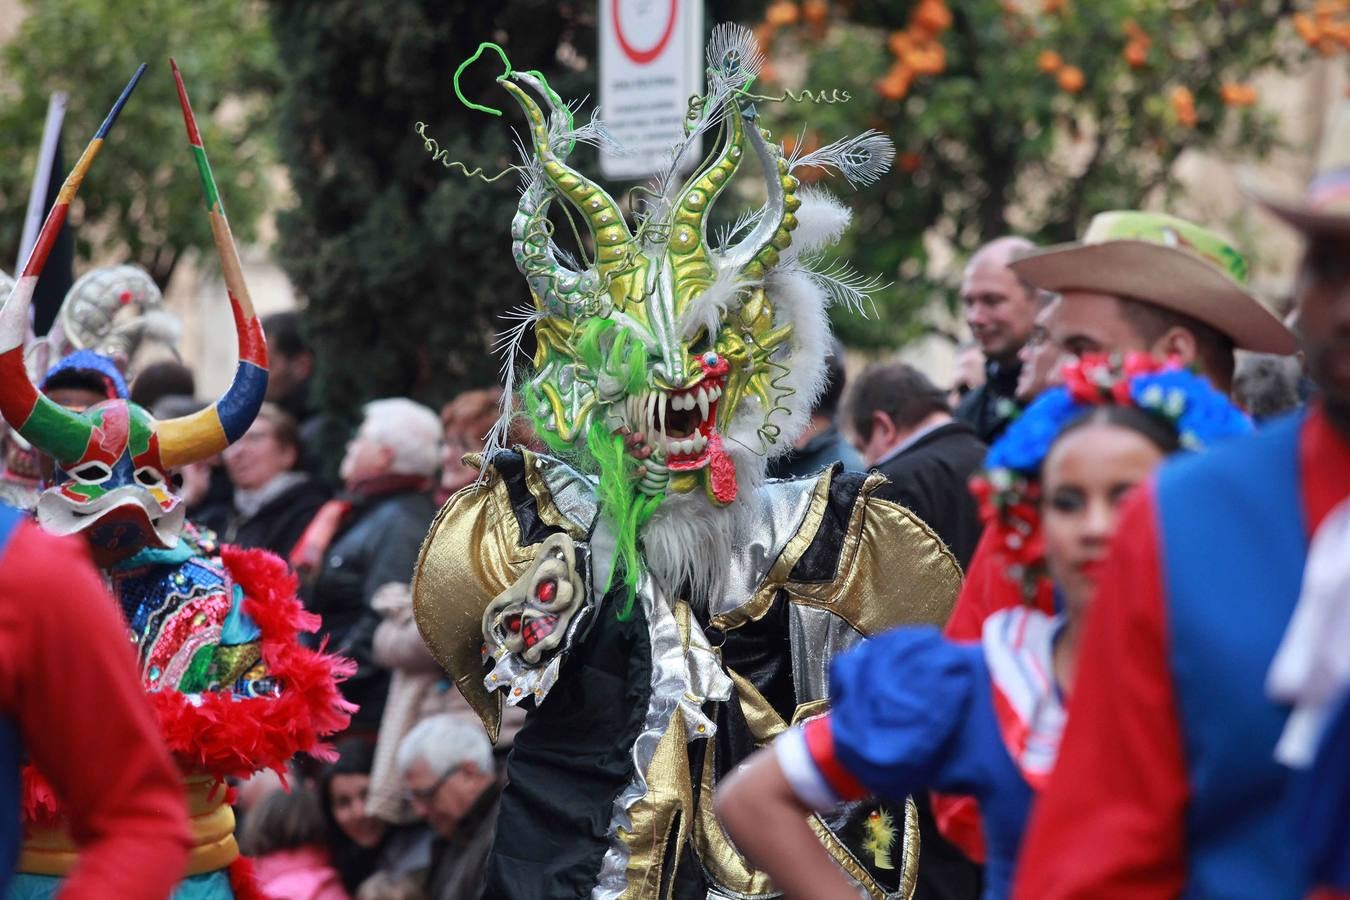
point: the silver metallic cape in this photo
(685, 681)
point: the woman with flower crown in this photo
(911, 710)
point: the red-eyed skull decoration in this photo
(531, 619)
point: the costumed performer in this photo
(215, 629)
(1213, 662)
(911, 710)
(658, 607)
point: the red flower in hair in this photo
(1084, 379)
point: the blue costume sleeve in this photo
(897, 705)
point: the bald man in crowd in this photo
(1000, 309)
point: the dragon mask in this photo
(699, 355)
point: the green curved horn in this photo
(599, 210)
(761, 247)
(688, 247)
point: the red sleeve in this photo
(819, 736)
(1111, 822)
(69, 680)
(984, 592)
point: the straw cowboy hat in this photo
(1165, 261)
(1325, 207)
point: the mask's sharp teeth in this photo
(662, 402)
(651, 413)
(703, 404)
(699, 442)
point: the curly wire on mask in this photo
(440, 154)
(770, 431)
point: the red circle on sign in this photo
(642, 57)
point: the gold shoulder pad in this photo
(893, 569)
(471, 554)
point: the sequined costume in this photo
(215, 628)
(658, 607)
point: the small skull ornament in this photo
(530, 618)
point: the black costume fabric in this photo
(574, 754)
(568, 764)
(929, 477)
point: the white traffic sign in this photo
(651, 63)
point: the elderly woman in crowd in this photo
(273, 502)
(418, 687)
(370, 537)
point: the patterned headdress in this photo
(1009, 486)
(114, 458)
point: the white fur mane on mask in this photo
(689, 541)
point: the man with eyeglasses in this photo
(1041, 357)
(448, 773)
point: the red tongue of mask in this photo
(721, 471)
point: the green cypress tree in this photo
(405, 263)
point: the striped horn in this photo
(43, 423)
(191, 438)
(688, 248)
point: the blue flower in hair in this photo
(1008, 487)
(1185, 401)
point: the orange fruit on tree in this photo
(932, 16)
(1307, 29)
(1239, 95)
(1071, 79)
(927, 59)
(897, 82)
(781, 13)
(1049, 62)
(1136, 54)
(815, 12)
(1183, 105)
(901, 43)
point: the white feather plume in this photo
(843, 284)
(507, 345)
(709, 307)
(734, 58)
(862, 159)
(821, 221)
